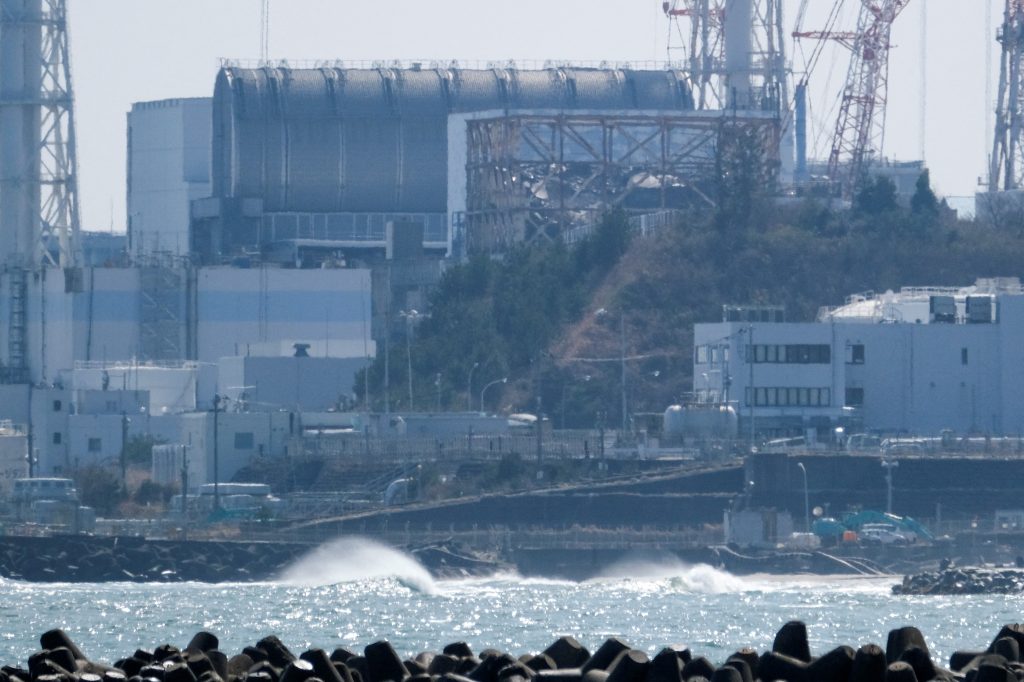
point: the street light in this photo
(469, 387)
(807, 504)
(410, 316)
(889, 465)
(484, 390)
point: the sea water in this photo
(352, 593)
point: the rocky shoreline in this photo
(82, 558)
(956, 580)
(905, 658)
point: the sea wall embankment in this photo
(904, 658)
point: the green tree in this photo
(877, 197)
(100, 489)
(924, 203)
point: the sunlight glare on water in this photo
(648, 606)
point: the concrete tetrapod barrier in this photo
(906, 658)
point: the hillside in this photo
(550, 318)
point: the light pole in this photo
(889, 465)
(469, 387)
(410, 316)
(484, 390)
(601, 312)
(807, 503)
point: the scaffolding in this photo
(162, 303)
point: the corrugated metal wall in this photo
(375, 140)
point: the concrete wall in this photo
(299, 384)
(13, 462)
(168, 167)
(240, 438)
(240, 306)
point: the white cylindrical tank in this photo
(739, 36)
(701, 421)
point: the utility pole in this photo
(753, 393)
(469, 387)
(622, 362)
(124, 450)
(216, 454)
(889, 465)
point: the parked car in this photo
(881, 534)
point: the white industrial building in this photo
(918, 361)
(168, 168)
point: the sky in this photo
(126, 51)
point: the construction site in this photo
(289, 223)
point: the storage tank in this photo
(375, 140)
(700, 422)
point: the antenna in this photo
(264, 31)
(923, 113)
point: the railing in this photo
(131, 364)
(476, 64)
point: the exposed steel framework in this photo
(1007, 162)
(42, 165)
(698, 39)
(860, 127)
(534, 177)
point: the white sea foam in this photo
(679, 574)
(352, 558)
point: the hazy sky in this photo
(126, 51)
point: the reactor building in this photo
(295, 216)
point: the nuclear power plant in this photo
(299, 217)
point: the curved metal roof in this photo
(353, 140)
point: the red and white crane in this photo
(860, 126)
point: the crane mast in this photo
(860, 126)
(1007, 154)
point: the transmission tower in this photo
(39, 223)
(1007, 155)
(733, 51)
(860, 127)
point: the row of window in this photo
(711, 355)
(792, 354)
(790, 397)
(244, 440)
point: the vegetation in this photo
(530, 318)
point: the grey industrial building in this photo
(325, 159)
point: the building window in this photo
(963, 356)
(790, 397)
(855, 354)
(57, 406)
(854, 397)
(244, 440)
(701, 355)
(95, 445)
(57, 438)
(793, 354)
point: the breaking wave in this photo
(351, 559)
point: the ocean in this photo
(354, 592)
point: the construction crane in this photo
(732, 50)
(1007, 159)
(696, 35)
(860, 127)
